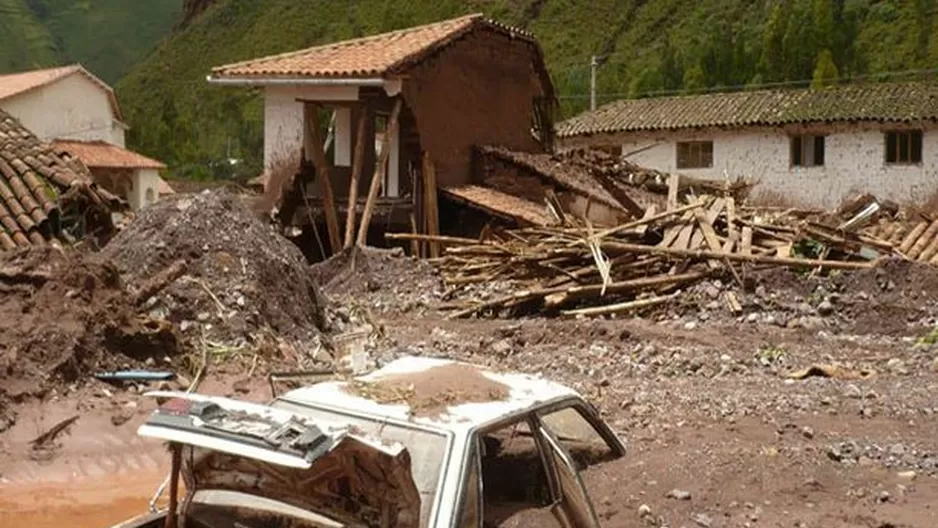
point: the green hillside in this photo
(648, 47)
(107, 36)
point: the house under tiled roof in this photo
(101, 154)
(886, 102)
(372, 56)
(13, 84)
(43, 193)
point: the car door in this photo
(574, 509)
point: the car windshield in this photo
(427, 448)
(224, 508)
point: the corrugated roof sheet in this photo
(370, 56)
(891, 102)
(33, 176)
(101, 154)
(499, 203)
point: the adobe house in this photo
(810, 148)
(404, 109)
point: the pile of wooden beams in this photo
(579, 269)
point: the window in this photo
(807, 151)
(695, 155)
(471, 502)
(578, 437)
(904, 147)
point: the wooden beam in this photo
(357, 163)
(171, 514)
(683, 253)
(431, 207)
(380, 171)
(314, 148)
(674, 183)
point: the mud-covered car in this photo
(418, 443)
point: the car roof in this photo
(524, 393)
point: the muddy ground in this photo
(719, 434)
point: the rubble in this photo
(241, 278)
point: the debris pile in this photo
(578, 269)
(64, 316)
(242, 279)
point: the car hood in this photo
(322, 466)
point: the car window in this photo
(574, 504)
(578, 437)
(470, 504)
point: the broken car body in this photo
(421, 442)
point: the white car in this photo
(419, 443)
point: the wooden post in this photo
(171, 514)
(356, 175)
(314, 148)
(376, 179)
(431, 209)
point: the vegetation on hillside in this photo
(645, 47)
(107, 36)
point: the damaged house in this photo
(360, 135)
(47, 196)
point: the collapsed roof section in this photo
(44, 195)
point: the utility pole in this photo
(594, 63)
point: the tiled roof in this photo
(95, 154)
(33, 179)
(891, 102)
(17, 83)
(370, 56)
(499, 203)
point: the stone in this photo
(679, 494)
(644, 510)
(752, 318)
(690, 325)
(852, 391)
(907, 475)
(712, 291)
(825, 308)
(884, 496)
(807, 432)
(502, 348)
(703, 520)
(897, 450)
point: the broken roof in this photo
(889, 102)
(495, 202)
(33, 179)
(525, 393)
(371, 56)
(17, 83)
(95, 154)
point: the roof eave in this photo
(276, 80)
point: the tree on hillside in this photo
(771, 64)
(825, 72)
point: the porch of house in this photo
(363, 156)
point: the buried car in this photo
(418, 443)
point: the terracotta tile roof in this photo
(499, 203)
(100, 154)
(370, 56)
(34, 179)
(17, 83)
(891, 102)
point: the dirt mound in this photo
(386, 279)
(243, 279)
(64, 316)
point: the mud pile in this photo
(242, 280)
(64, 316)
(385, 280)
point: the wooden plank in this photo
(923, 241)
(619, 195)
(901, 229)
(378, 177)
(671, 233)
(650, 212)
(930, 251)
(315, 149)
(357, 163)
(704, 222)
(716, 207)
(730, 242)
(912, 237)
(415, 245)
(674, 182)
(746, 244)
(431, 207)
(618, 308)
(646, 221)
(684, 237)
(731, 218)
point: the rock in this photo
(883, 496)
(203, 316)
(804, 309)
(897, 450)
(752, 318)
(502, 348)
(907, 475)
(852, 391)
(644, 510)
(726, 358)
(825, 308)
(703, 520)
(807, 432)
(242, 386)
(835, 454)
(679, 494)
(690, 325)
(712, 291)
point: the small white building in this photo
(79, 113)
(804, 147)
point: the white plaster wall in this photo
(145, 190)
(854, 162)
(283, 120)
(73, 107)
